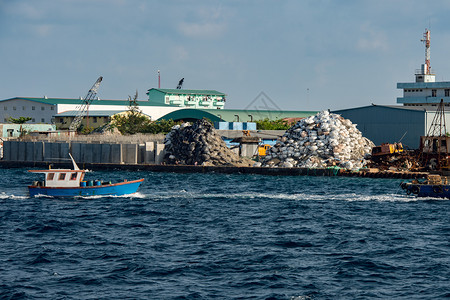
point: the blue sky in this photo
(304, 55)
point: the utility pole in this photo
(159, 79)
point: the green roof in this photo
(188, 92)
(234, 115)
(54, 101)
(245, 115)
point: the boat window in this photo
(62, 176)
(73, 176)
(50, 176)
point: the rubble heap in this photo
(320, 141)
(199, 144)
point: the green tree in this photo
(267, 124)
(130, 123)
(133, 121)
(20, 120)
(161, 126)
(85, 130)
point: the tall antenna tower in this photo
(425, 74)
(426, 41)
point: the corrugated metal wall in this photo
(383, 124)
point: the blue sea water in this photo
(218, 236)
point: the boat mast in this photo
(75, 166)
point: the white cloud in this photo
(179, 53)
(204, 22)
(372, 40)
(201, 30)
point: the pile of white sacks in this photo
(320, 141)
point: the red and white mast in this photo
(426, 41)
(425, 74)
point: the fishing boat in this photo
(70, 183)
(433, 186)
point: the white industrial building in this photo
(43, 110)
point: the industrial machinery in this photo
(387, 149)
(84, 106)
(262, 149)
(392, 156)
(180, 84)
(247, 138)
(435, 146)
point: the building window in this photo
(5, 120)
(433, 93)
(43, 120)
(14, 108)
(33, 108)
(447, 93)
(23, 107)
(52, 108)
(5, 108)
(61, 120)
(42, 108)
(95, 119)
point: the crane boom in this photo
(84, 105)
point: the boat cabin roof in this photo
(61, 177)
(56, 171)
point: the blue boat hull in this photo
(427, 190)
(117, 189)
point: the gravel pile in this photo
(320, 141)
(199, 144)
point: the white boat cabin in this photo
(61, 177)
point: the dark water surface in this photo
(216, 236)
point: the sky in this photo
(298, 54)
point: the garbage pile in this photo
(320, 141)
(199, 144)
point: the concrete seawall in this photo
(109, 153)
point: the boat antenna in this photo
(75, 167)
(403, 136)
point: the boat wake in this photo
(135, 195)
(12, 196)
(294, 197)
